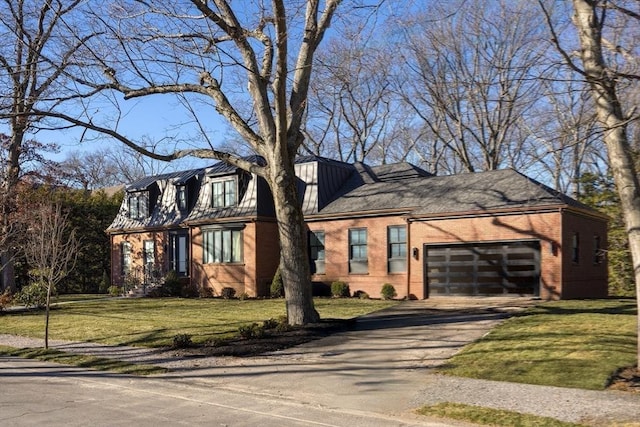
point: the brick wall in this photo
(260, 259)
(136, 240)
(544, 227)
(586, 277)
(337, 255)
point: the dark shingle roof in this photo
(469, 192)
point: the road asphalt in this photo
(374, 375)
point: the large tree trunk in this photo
(294, 262)
(602, 82)
(7, 209)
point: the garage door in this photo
(483, 268)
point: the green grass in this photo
(154, 322)
(490, 417)
(562, 343)
(83, 361)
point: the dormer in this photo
(141, 198)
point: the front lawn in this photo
(155, 322)
(561, 343)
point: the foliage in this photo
(182, 341)
(227, 292)
(171, 287)
(5, 299)
(277, 287)
(340, 289)
(361, 295)
(254, 330)
(388, 291)
(560, 343)
(105, 283)
(490, 416)
(600, 193)
(33, 295)
(114, 291)
(89, 213)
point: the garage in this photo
(496, 268)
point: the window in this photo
(598, 253)
(125, 250)
(575, 248)
(358, 261)
(149, 252)
(397, 241)
(316, 251)
(181, 197)
(224, 193)
(138, 205)
(222, 246)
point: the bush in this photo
(5, 299)
(33, 295)
(114, 291)
(340, 289)
(182, 341)
(227, 292)
(277, 286)
(361, 295)
(388, 291)
(189, 291)
(254, 330)
(105, 283)
(172, 286)
(205, 292)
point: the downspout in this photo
(409, 255)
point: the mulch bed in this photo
(626, 379)
(272, 340)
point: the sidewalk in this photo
(384, 366)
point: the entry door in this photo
(179, 253)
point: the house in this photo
(488, 233)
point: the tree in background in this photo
(41, 44)
(599, 192)
(51, 250)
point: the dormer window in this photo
(138, 205)
(224, 193)
(181, 197)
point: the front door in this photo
(179, 252)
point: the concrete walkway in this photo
(385, 366)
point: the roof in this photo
(176, 178)
(432, 195)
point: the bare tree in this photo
(352, 108)
(214, 50)
(610, 68)
(569, 141)
(40, 44)
(51, 250)
(470, 77)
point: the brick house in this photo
(488, 233)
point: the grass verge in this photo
(562, 343)
(489, 416)
(83, 361)
(151, 322)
